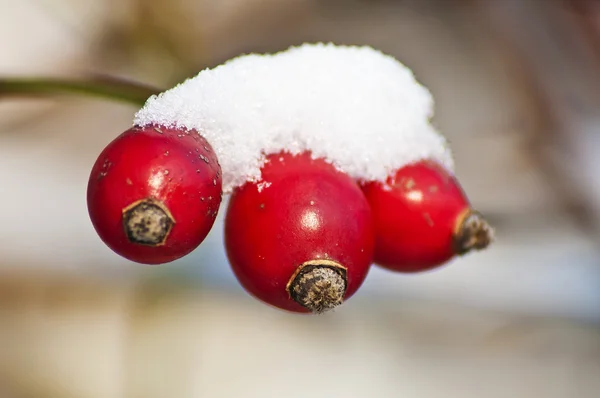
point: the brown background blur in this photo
(516, 89)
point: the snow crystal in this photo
(358, 108)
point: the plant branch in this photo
(99, 86)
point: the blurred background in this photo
(516, 84)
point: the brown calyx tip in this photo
(318, 285)
(147, 222)
(472, 232)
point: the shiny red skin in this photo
(310, 211)
(415, 215)
(178, 168)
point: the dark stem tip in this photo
(147, 222)
(472, 232)
(319, 285)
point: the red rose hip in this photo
(154, 193)
(423, 219)
(301, 239)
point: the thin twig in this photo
(104, 87)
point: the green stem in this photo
(104, 87)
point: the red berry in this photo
(154, 193)
(302, 238)
(423, 219)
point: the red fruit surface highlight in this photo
(301, 239)
(154, 193)
(423, 219)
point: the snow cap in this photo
(358, 108)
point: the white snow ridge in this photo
(358, 108)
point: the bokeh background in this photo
(517, 93)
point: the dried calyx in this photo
(147, 222)
(472, 232)
(318, 285)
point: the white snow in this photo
(358, 108)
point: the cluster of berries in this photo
(302, 238)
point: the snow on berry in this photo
(356, 107)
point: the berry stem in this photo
(472, 232)
(318, 285)
(107, 87)
(147, 222)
